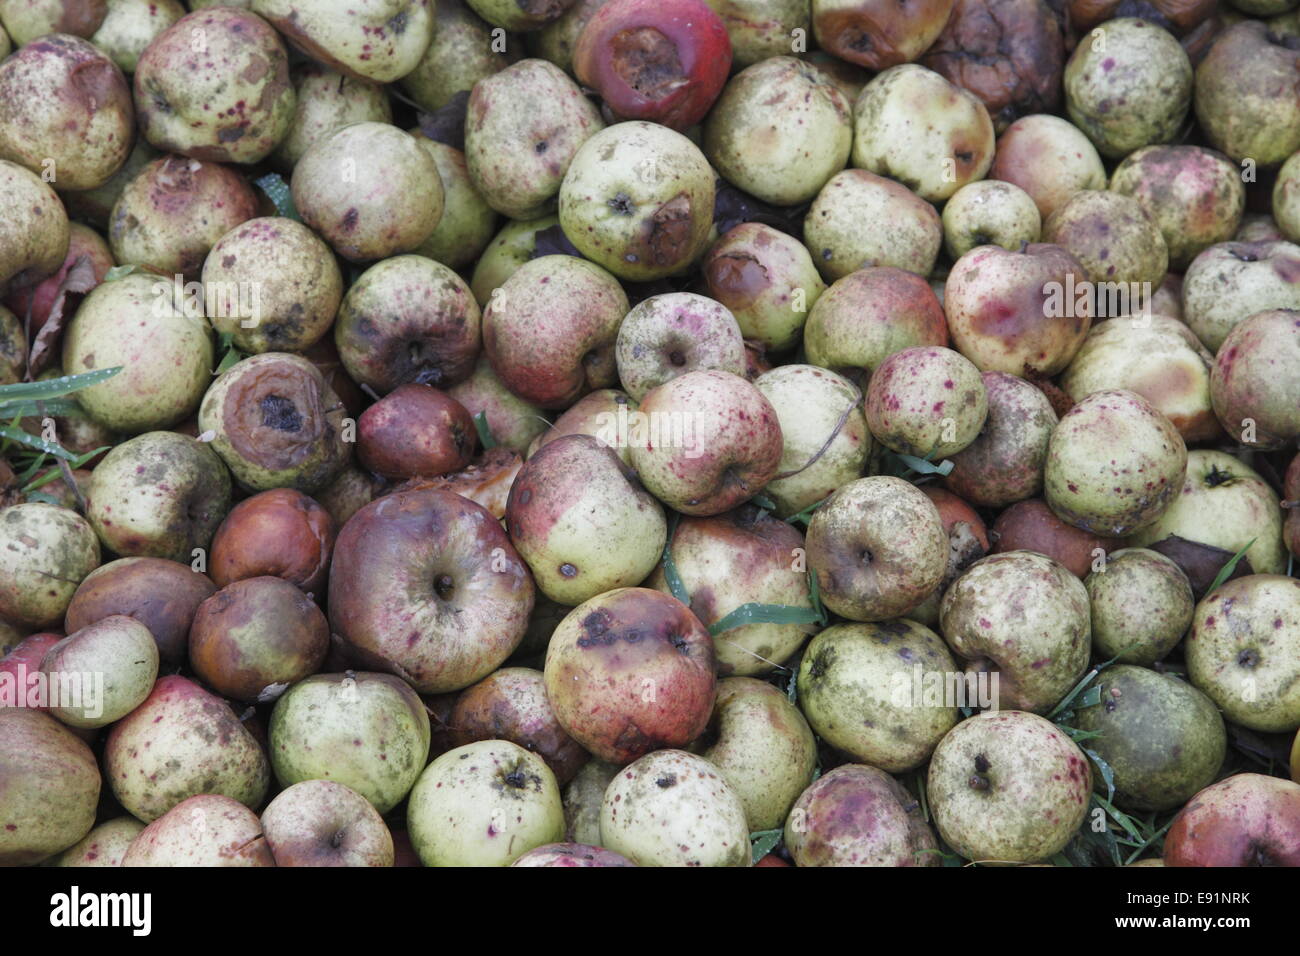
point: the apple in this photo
(1141, 606)
(847, 225)
(1018, 312)
(462, 52)
(583, 798)
(780, 129)
(1244, 651)
(857, 815)
(1004, 463)
(672, 808)
(1115, 241)
(34, 234)
(763, 747)
(550, 330)
(767, 279)
(571, 854)
(1255, 384)
(280, 532)
(367, 731)
(1242, 97)
(327, 100)
(162, 595)
(1247, 819)
(989, 212)
(121, 655)
(528, 16)
(711, 441)
(1231, 281)
(484, 804)
(19, 668)
(599, 413)
(429, 582)
(468, 222)
(878, 549)
(1048, 158)
(863, 690)
(415, 431)
(582, 521)
(511, 704)
(514, 423)
(1163, 739)
(1291, 487)
(45, 553)
(105, 845)
(511, 247)
(380, 42)
(28, 21)
(669, 335)
(204, 830)
(927, 401)
(324, 823)
(877, 34)
(662, 61)
(968, 541)
(827, 442)
(39, 299)
(870, 314)
(630, 671)
(51, 787)
(744, 556)
(1008, 787)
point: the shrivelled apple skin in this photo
(1004, 464)
(1009, 787)
(572, 854)
(858, 815)
(204, 830)
(927, 401)
(718, 442)
(857, 687)
(1255, 384)
(1024, 617)
(1244, 651)
(51, 787)
(582, 521)
(484, 804)
(658, 60)
(878, 549)
(1031, 525)
(877, 34)
(1163, 738)
(672, 808)
(1246, 820)
(428, 581)
(195, 744)
(1114, 464)
(1141, 605)
(630, 671)
(317, 723)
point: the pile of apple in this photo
(649, 432)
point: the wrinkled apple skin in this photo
(1012, 311)
(638, 200)
(876, 34)
(1194, 195)
(317, 721)
(1113, 238)
(206, 830)
(857, 815)
(429, 582)
(1157, 357)
(65, 109)
(672, 808)
(1244, 651)
(1008, 787)
(180, 742)
(630, 671)
(572, 854)
(1114, 464)
(522, 129)
(856, 686)
(1129, 86)
(51, 787)
(860, 219)
(989, 212)
(103, 846)
(1025, 617)
(380, 41)
(323, 823)
(484, 804)
(870, 314)
(741, 557)
(1225, 504)
(34, 233)
(779, 131)
(1142, 605)
(727, 450)
(1229, 282)
(763, 747)
(669, 335)
(917, 395)
(1246, 820)
(658, 60)
(914, 126)
(878, 549)
(45, 553)
(1049, 159)
(1004, 464)
(1163, 738)
(1245, 94)
(1255, 384)
(118, 648)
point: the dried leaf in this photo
(79, 280)
(1200, 562)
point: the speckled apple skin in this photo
(1246, 820)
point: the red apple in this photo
(21, 665)
(82, 241)
(660, 60)
(415, 430)
(280, 532)
(1246, 820)
(1032, 526)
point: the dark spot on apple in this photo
(666, 781)
(1248, 658)
(567, 570)
(622, 204)
(647, 61)
(280, 413)
(443, 586)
